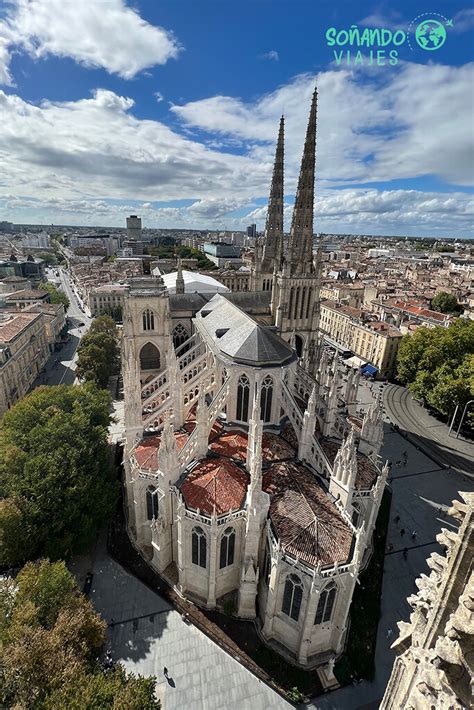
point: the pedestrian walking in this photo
(389, 633)
(396, 519)
(405, 553)
(165, 672)
(402, 532)
(390, 547)
(413, 535)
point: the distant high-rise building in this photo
(252, 230)
(134, 227)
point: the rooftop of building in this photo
(367, 472)
(10, 328)
(27, 294)
(237, 335)
(194, 282)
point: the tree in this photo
(47, 257)
(98, 353)
(55, 467)
(13, 538)
(445, 303)
(51, 638)
(56, 295)
(438, 365)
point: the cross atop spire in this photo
(273, 239)
(179, 278)
(300, 251)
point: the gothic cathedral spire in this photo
(300, 250)
(273, 240)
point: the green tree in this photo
(56, 295)
(50, 639)
(14, 545)
(48, 257)
(445, 303)
(98, 352)
(55, 465)
(438, 365)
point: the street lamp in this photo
(463, 415)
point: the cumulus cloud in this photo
(272, 55)
(109, 35)
(371, 211)
(408, 123)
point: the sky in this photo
(169, 109)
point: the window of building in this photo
(266, 399)
(199, 547)
(326, 604)
(148, 320)
(180, 335)
(243, 394)
(292, 596)
(355, 515)
(149, 357)
(151, 503)
(227, 548)
(267, 565)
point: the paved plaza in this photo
(146, 634)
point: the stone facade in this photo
(247, 483)
(435, 664)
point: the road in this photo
(59, 369)
(431, 435)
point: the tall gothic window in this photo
(266, 397)
(292, 596)
(199, 547)
(227, 548)
(267, 565)
(326, 604)
(149, 357)
(290, 307)
(355, 515)
(243, 393)
(180, 335)
(297, 299)
(148, 320)
(151, 503)
(303, 297)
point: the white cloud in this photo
(371, 211)
(410, 122)
(272, 55)
(158, 96)
(108, 34)
(463, 20)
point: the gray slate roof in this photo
(239, 336)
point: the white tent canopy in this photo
(194, 282)
(355, 362)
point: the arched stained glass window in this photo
(199, 547)
(266, 397)
(227, 548)
(292, 597)
(243, 394)
(326, 604)
(151, 503)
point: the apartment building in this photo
(23, 353)
(107, 299)
(373, 341)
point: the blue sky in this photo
(171, 109)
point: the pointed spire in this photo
(273, 238)
(179, 278)
(167, 453)
(300, 252)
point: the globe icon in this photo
(430, 35)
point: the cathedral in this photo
(248, 482)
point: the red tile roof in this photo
(233, 444)
(146, 452)
(307, 522)
(215, 484)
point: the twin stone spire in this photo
(299, 256)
